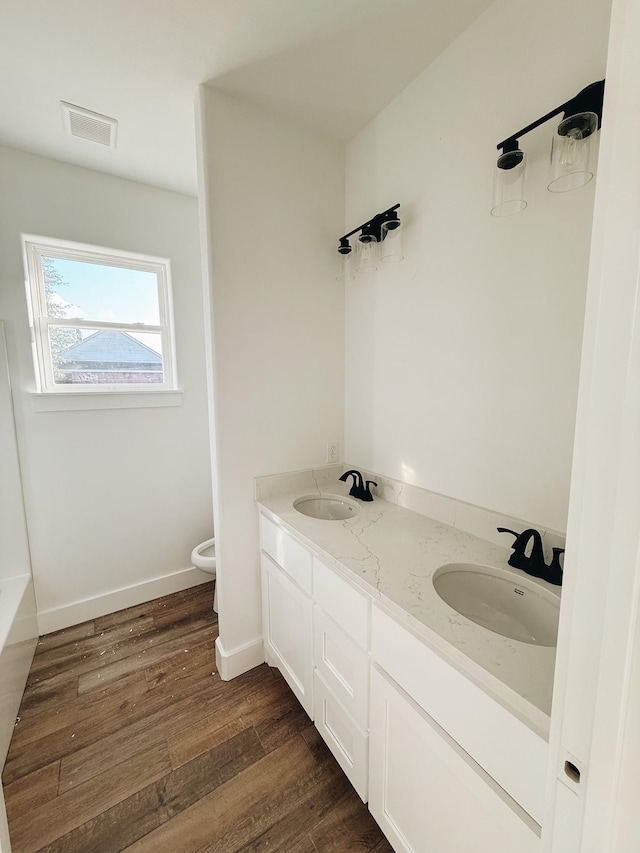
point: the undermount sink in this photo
(327, 507)
(504, 603)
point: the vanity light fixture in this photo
(571, 151)
(380, 238)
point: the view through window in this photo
(101, 320)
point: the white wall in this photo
(273, 199)
(116, 499)
(462, 361)
(14, 544)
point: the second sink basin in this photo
(327, 507)
(504, 603)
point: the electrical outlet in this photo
(332, 451)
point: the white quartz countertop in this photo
(392, 553)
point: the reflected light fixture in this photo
(378, 239)
(571, 151)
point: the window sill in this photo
(66, 402)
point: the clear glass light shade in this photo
(572, 152)
(347, 265)
(391, 246)
(508, 184)
(366, 253)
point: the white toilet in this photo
(203, 557)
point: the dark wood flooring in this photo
(128, 740)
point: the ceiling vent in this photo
(86, 124)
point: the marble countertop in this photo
(392, 553)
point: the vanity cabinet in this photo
(287, 609)
(341, 630)
(443, 765)
(450, 768)
(316, 631)
(426, 793)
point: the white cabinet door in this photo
(288, 631)
(510, 752)
(427, 794)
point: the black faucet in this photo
(533, 564)
(555, 569)
(359, 488)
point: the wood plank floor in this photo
(128, 740)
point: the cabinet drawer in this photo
(509, 751)
(425, 792)
(346, 740)
(345, 605)
(342, 664)
(289, 554)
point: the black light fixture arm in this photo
(589, 99)
(374, 225)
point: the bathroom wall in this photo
(462, 361)
(272, 198)
(115, 498)
(14, 545)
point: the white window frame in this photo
(35, 248)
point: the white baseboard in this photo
(91, 608)
(5, 844)
(231, 664)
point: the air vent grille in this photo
(85, 124)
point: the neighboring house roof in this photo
(106, 348)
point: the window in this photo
(101, 319)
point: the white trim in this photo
(597, 688)
(119, 599)
(202, 147)
(119, 257)
(60, 402)
(231, 664)
(5, 843)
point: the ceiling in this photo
(331, 63)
